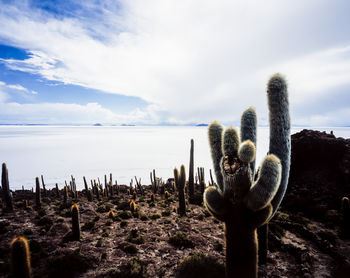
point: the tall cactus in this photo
(180, 182)
(241, 202)
(191, 175)
(75, 222)
(6, 188)
(20, 258)
(37, 193)
(44, 187)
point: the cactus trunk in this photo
(37, 193)
(6, 188)
(190, 177)
(263, 233)
(241, 248)
(75, 222)
(20, 258)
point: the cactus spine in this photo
(20, 258)
(244, 204)
(75, 222)
(6, 188)
(180, 181)
(191, 175)
(37, 193)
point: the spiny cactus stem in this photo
(241, 246)
(20, 258)
(75, 222)
(6, 188)
(37, 193)
(191, 173)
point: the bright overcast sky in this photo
(172, 61)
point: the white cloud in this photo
(17, 87)
(197, 60)
(62, 113)
(6, 88)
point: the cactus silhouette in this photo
(65, 196)
(75, 222)
(180, 182)
(20, 258)
(244, 204)
(191, 175)
(6, 188)
(37, 193)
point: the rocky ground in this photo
(304, 240)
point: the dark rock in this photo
(319, 174)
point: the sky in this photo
(171, 61)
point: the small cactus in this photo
(180, 182)
(65, 196)
(244, 204)
(89, 195)
(57, 191)
(132, 206)
(75, 222)
(166, 194)
(111, 214)
(20, 258)
(85, 185)
(6, 188)
(37, 193)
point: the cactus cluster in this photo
(242, 202)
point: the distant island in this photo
(202, 125)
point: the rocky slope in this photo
(306, 238)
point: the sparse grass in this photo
(135, 237)
(180, 240)
(155, 216)
(130, 248)
(199, 265)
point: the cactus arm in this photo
(264, 189)
(249, 130)
(230, 143)
(259, 218)
(215, 141)
(280, 144)
(215, 203)
(246, 151)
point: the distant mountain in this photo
(202, 125)
(97, 124)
